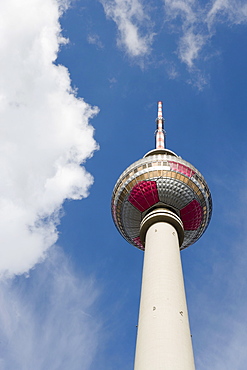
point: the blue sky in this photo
(79, 86)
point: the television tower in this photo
(161, 204)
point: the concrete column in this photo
(163, 338)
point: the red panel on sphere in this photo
(144, 195)
(177, 167)
(138, 242)
(191, 215)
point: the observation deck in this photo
(161, 179)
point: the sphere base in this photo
(162, 215)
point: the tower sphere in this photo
(161, 179)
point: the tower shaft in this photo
(163, 339)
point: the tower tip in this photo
(160, 132)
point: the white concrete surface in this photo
(163, 339)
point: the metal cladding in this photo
(161, 179)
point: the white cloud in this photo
(48, 321)
(130, 18)
(196, 24)
(188, 15)
(44, 133)
(112, 82)
(95, 40)
(190, 45)
(232, 11)
(183, 8)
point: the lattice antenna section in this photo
(160, 134)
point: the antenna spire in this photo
(160, 134)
